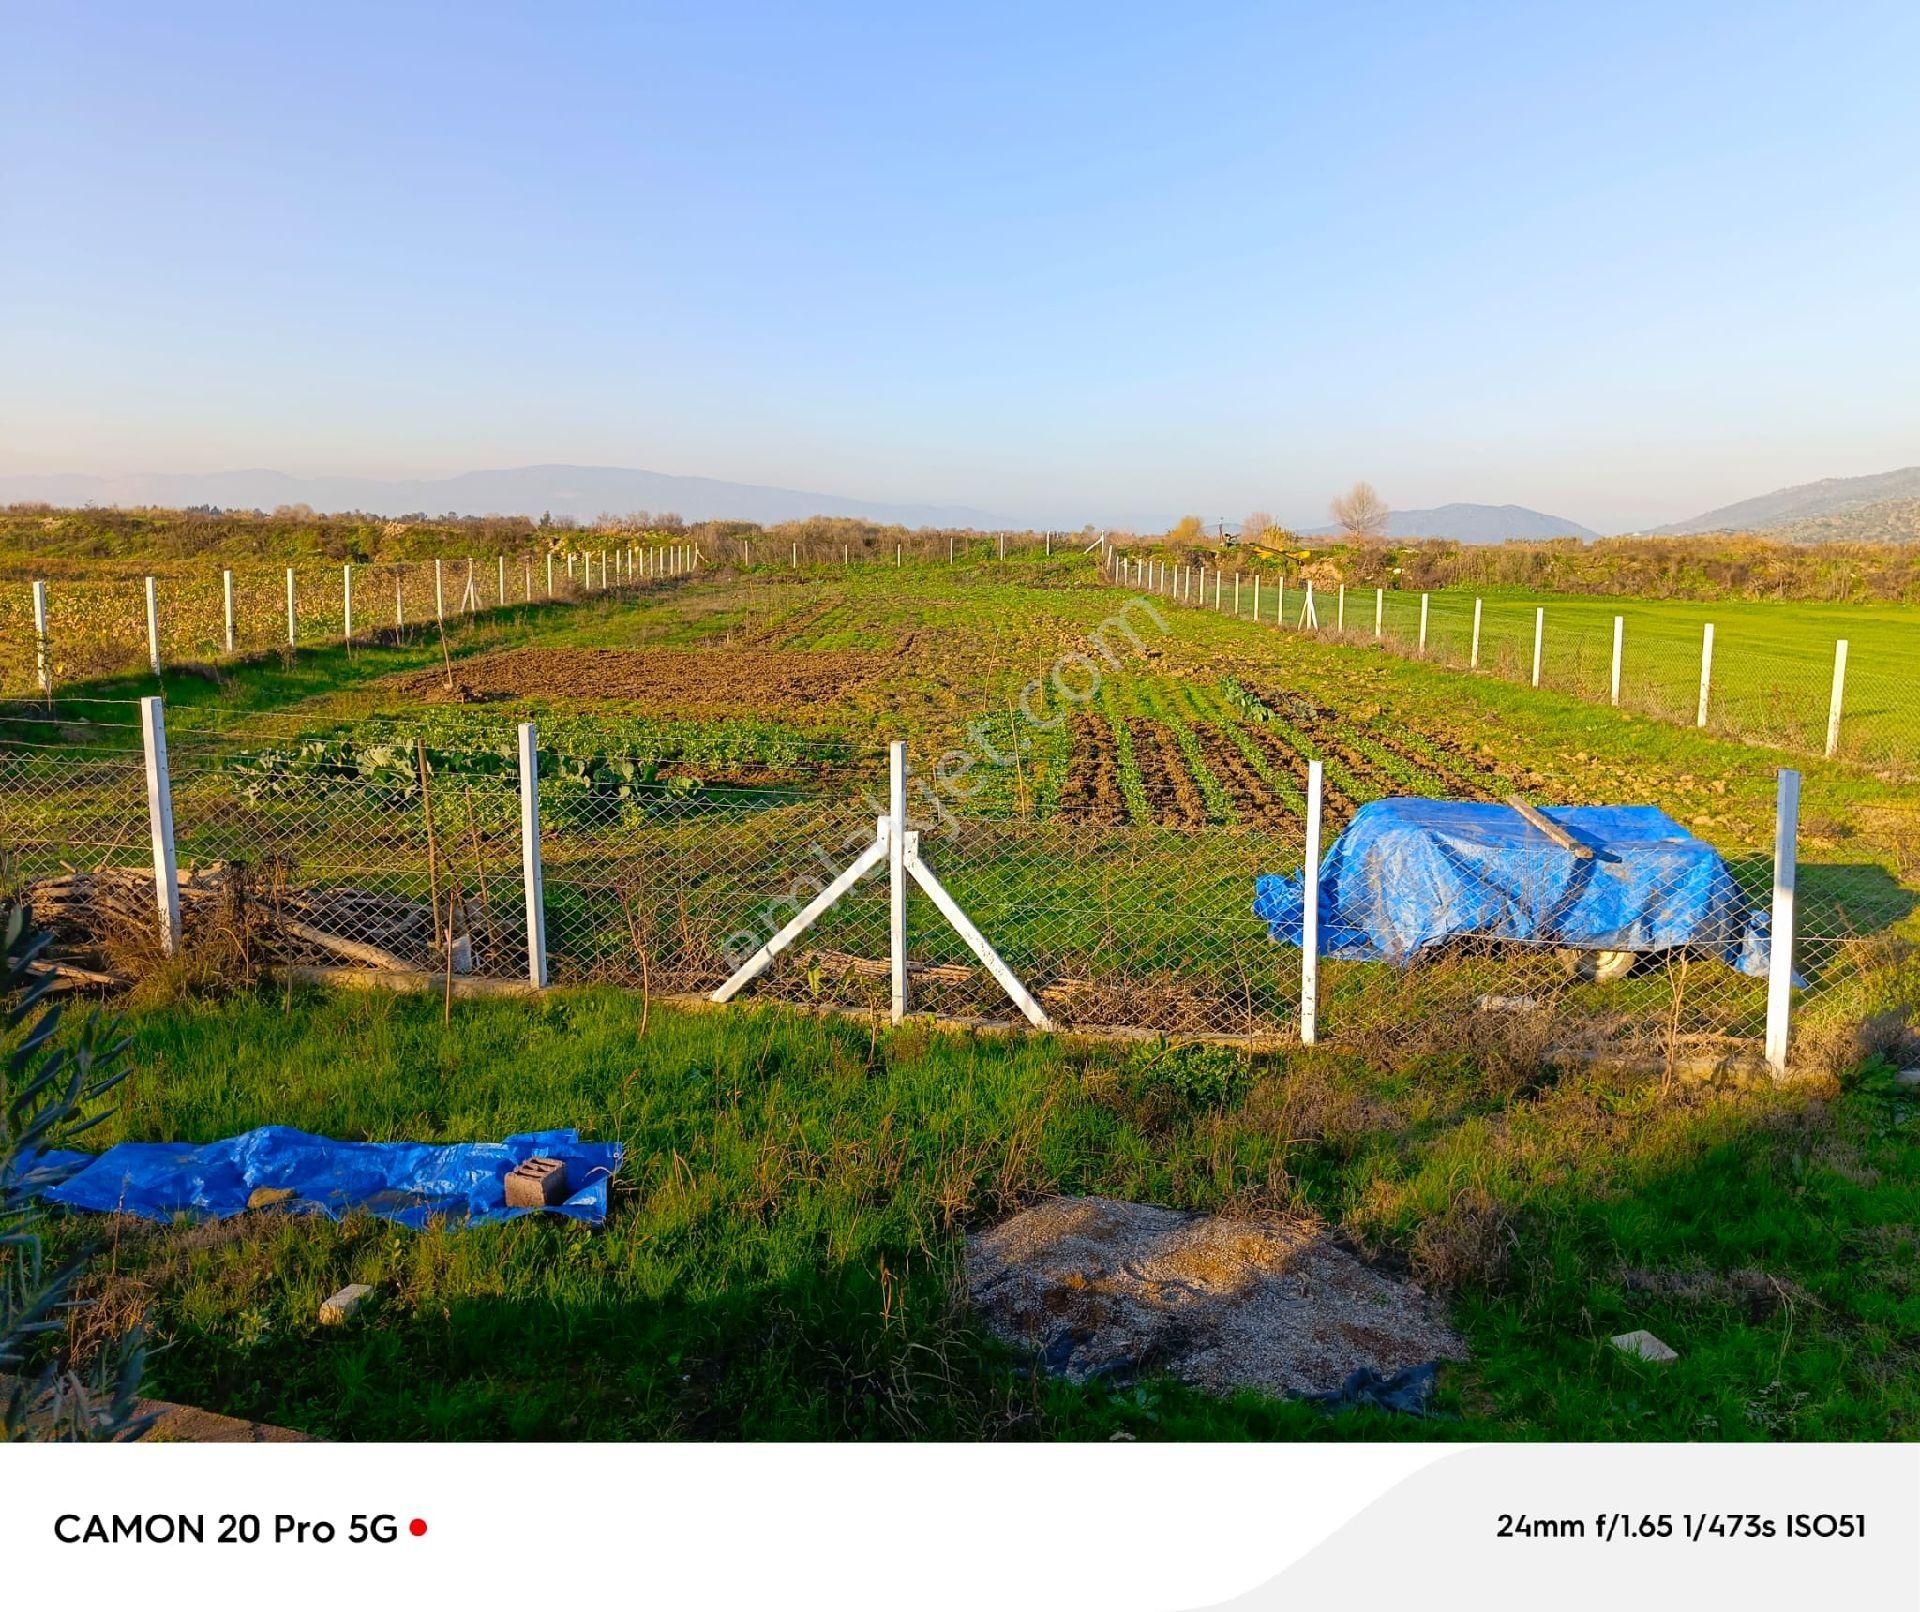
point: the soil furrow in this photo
(1171, 793)
(1252, 797)
(1091, 793)
(1336, 805)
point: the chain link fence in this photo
(653, 876)
(200, 615)
(1814, 679)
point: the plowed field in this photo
(666, 679)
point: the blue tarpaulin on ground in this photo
(1409, 875)
(411, 1182)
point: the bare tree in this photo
(1360, 512)
(1258, 524)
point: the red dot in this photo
(417, 1527)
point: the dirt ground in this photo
(1102, 1288)
(682, 680)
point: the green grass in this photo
(1772, 660)
(781, 1255)
(979, 634)
(781, 1252)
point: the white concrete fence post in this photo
(1839, 696)
(42, 649)
(549, 573)
(399, 596)
(1706, 673)
(1379, 610)
(440, 589)
(346, 604)
(1786, 828)
(530, 874)
(500, 582)
(1256, 596)
(166, 877)
(897, 873)
(1423, 623)
(1340, 617)
(1473, 658)
(292, 621)
(1310, 915)
(153, 625)
(226, 599)
(1613, 677)
(1539, 639)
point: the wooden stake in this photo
(433, 877)
(1553, 831)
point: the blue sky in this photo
(1068, 263)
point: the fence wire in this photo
(1765, 682)
(658, 877)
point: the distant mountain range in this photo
(582, 491)
(1474, 523)
(1811, 502)
(1879, 508)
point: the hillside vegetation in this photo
(36, 540)
(40, 540)
(1810, 501)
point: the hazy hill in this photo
(1897, 520)
(1474, 523)
(582, 491)
(1811, 501)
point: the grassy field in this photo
(1207, 725)
(1773, 658)
(1772, 661)
(781, 1254)
(780, 1259)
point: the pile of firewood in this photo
(103, 920)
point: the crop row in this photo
(1241, 759)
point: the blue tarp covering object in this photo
(411, 1182)
(1408, 875)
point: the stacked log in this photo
(98, 917)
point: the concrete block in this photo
(1907, 1077)
(341, 1306)
(1643, 1345)
(537, 1184)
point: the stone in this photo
(537, 1184)
(1506, 1004)
(341, 1307)
(1095, 1288)
(1643, 1345)
(1907, 1077)
(270, 1197)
